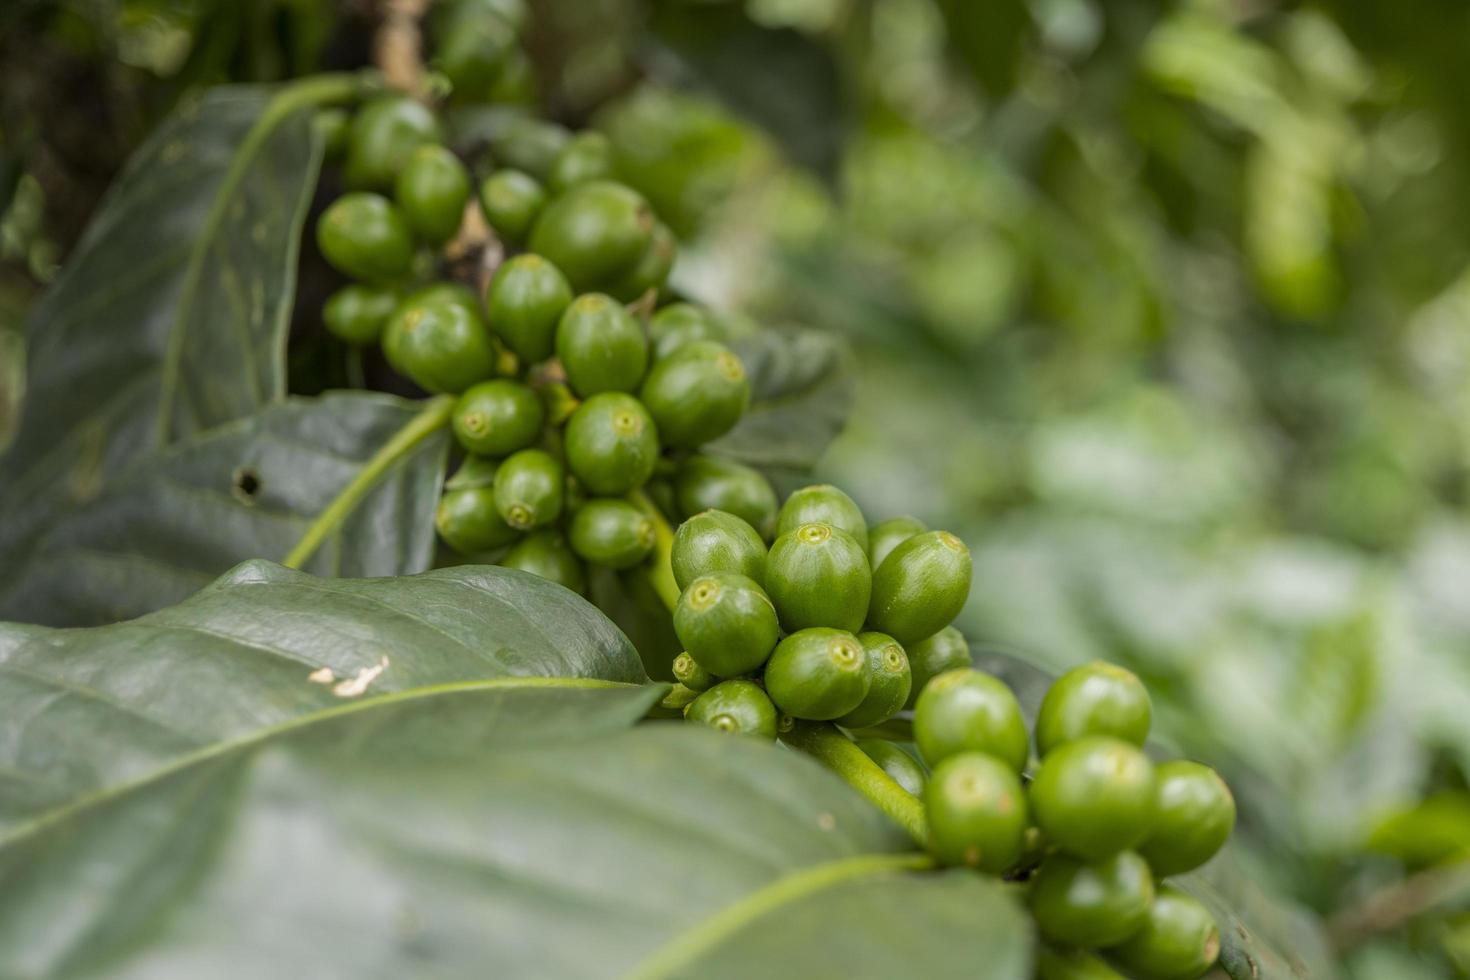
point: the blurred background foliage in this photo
(1164, 306)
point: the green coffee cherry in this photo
(357, 313)
(726, 623)
(528, 489)
(967, 710)
(818, 674)
(511, 200)
(526, 299)
(475, 471)
(738, 707)
(652, 269)
(920, 587)
(1093, 699)
(681, 323)
(601, 346)
(818, 575)
(688, 672)
(611, 444)
(710, 483)
(611, 533)
(887, 535)
(547, 554)
(901, 767)
(1094, 797)
(696, 394)
(977, 812)
(1098, 903)
(364, 236)
(431, 191)
(946, 650)
(528, 144)
(594, 232)
(1194, 814)
(715, 541)
(453, 293)
(440, 346)
(469, 523)
(1178, 941)
(495, 418)
(1072, 964)
(384, 134)
(587, 156)
(822, 504)
(889, 676)
(472, 47)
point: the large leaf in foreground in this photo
(249, 489)
(170, 315)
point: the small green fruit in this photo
(495, 418)
(529, 489)
(1094, 797)
(472, 45)
(594, 232)
(611, 444)
(529, 144)
(715, 541)
(1093, 699)
(1194, 814)
(384, 134)
(884, 536)
(587, 156)
(888, 671)
(818, 674)
(967, 710)
(711, 483)
(977, 812)
(547, 554)
(364, 236)
(920, 587)
(1178, 941)
(738, 707)
(358, 312)
(652, 269)
(432, 190)
(818, 575)
(601, 346)
(901, 767)
(682, 323)
(511, 200)
(726, 623)
(696, 394)
(469, 523)
(1098, 903)
(526, 299)
(611, 533)
(440, 346)
(823, 504)
(946, 650)
(1072, 964)
(453, 293)
(688, 672)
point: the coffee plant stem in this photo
(840, 754)
(661, 570)
(433, 417)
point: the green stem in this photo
(661, 572)
(838, 753)
(433, 417)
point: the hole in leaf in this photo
(245, 485)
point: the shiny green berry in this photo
(688, 672)
(889, 676)
(431, 191)
(364, 236)
(739, 707)
(651, 270)
(612, 533)
(586, 156)
(1094, 797)
(511, 200)
(1091, 903)
(547, 554)
(711, 483)
(967, 710)
(440, 346)
(715, 541)
(822, 504)
(526, 299)
(921, 586)
(884, 536)
(1072, 964)
(726, 623)
(357, 313)
(1178, 941)
(495, 418)
(1194, 813)
(474, 471)
(594, 232)
(977, 812)
(453, 293)
(528, 143)
(601, 346)
(471, 48)
(682, 323)
(1093, 699)
(818, 674)
(469, 523)
(901, 767)
(817, 575)
(611, 444)
(696, 394)
(946, 650)
(529, 488)
(384, 134)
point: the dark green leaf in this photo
(249, 489)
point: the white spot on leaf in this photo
(322, 675)
(359, 684)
